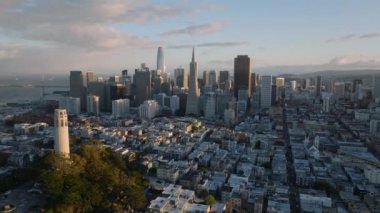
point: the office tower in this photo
(160, 60)
(193, 95)
(98, 88)
(77, 88)
(242, 95)
(326, 102)
(356, 83)
(71, 104)
(221, 103)
(306, 83)
(149, 109)
(376, 87)
(293, 85)
(318, 87)
(206, 89)
(212, 78)
(160, 98)
(254, 82)
(241, 106)
(329, 86)
(274, 95)
(280, 82)
(128, 86)
(339, 89)
(124, 74)
(167, 77)
(181, 78)
(229, 116)
(167, 88)
(142, 82)
(157, 82)
(114, 79)
(120, 107)
(209, 110)
(224, 80)
(182, 103)
(93, 104)
(266, 91)
(61, 133)
(174, 104)
(242, 74)
(114, 91)
(206, 77)
(255, 103)
(89, 77)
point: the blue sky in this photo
(55, 36)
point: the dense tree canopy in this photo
(94, 180)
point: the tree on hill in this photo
(95, 179)
(210, 200)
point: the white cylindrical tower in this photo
(61, 132)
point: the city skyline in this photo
(53, 37)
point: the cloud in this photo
(353, 59)
(354, 37)
(198, 29)
(369, 35)
(343, 62)
(8, 51)
(88, 36)
(209, 44)
(85, 24)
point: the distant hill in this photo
(342, 73)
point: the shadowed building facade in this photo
(242, 74)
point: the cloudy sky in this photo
(55, 36)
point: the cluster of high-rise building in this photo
(214, 95)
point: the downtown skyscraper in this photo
(160, 60)
(242, 74)
(193, 96)
(77, 87)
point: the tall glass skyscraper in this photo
(160, 60)
(242, 74)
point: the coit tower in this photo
(61, 133)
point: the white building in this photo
(61, 132)
(149, 109)
(293, 85)
(71, 104)
(93, 104)
(280, 82)
(209, 110)
(326, 103)
(176, 199)
(266, 91)
(120, 107)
